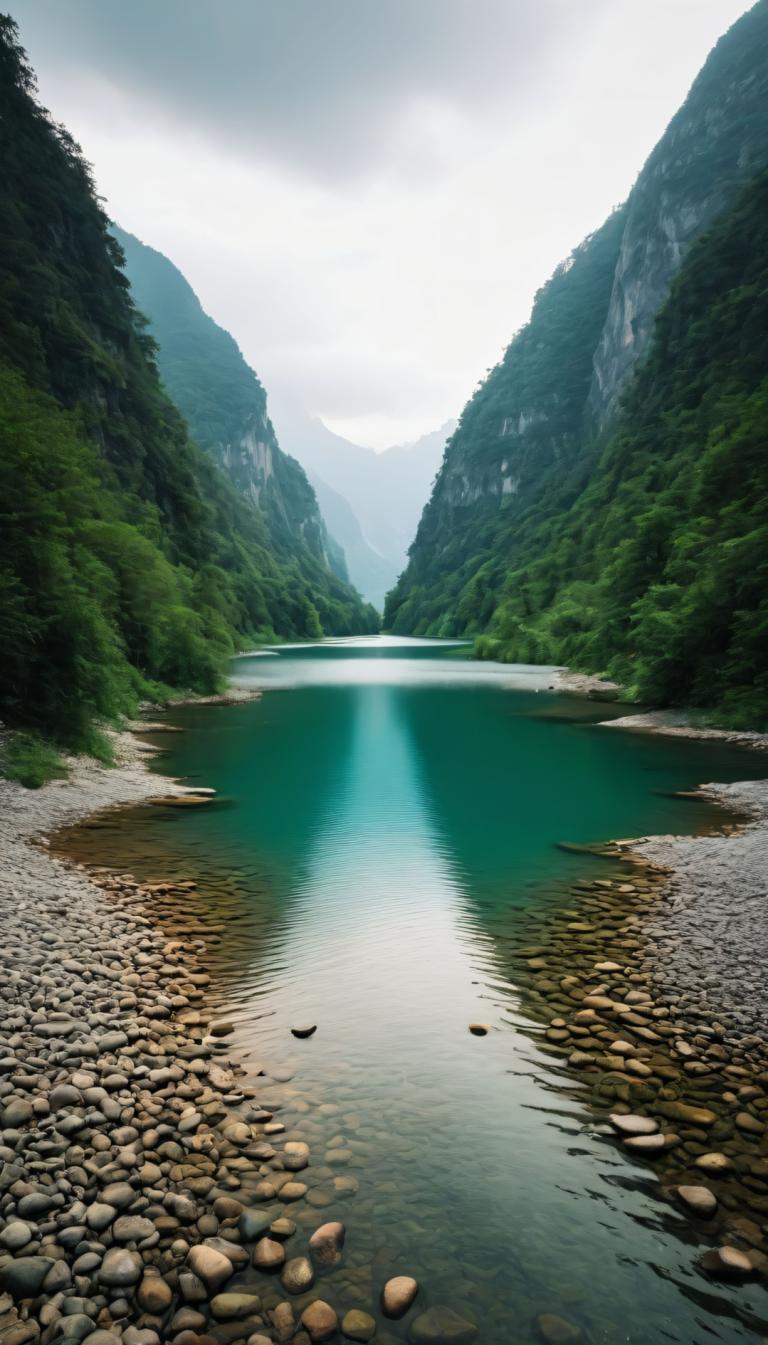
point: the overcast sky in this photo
(367, 193)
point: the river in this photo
(385, 813)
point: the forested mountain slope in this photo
(658, 573)
(504, 545)
(223, 401)
(127, 558)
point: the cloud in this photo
(320, 85)
(367, 193)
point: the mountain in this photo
(385, 491)
(373, 575)
(223, 402)
(541, 534)
(128, 561)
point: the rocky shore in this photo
(668, 1053)
(145, 1195)
(149, 1194)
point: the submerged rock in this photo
(441, 1326)
(398, 1295)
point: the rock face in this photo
(714, 144)
(225, 403)
(529, 427)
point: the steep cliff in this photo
(530, 439)
(224, 402)
(715, 143)
(657, 573)
(128, 562)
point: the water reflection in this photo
(389, 819)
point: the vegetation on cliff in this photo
(631, 542)
(128, 560)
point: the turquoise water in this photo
(387, 810)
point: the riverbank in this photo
(154, 941)
(143, 1191)
(622, 981)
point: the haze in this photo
(367, 195)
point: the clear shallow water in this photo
(387, 812)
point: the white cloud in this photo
(374, 291)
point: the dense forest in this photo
(632, 545)
(225, 406)
(129, 563)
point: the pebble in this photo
(319, 1320)
(358, 1325)
(297, 1275)
(699, 1200)
(728, 1263)
(268, 1254)
(632, 1126)
(211, 1266)
(398, 1295)
(555, 1330)
(441, 1326)
(326, 1244)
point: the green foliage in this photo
(657, 573)
(128, 562)
(643, 555)
(523, 427)
(30, 761)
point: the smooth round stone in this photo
(120, 1268)
(211, 1266)
(253, 1223)
(268, 1254)
(101, 1337)
(297, 1275)
(232, 1307)
(346, 1186)
(119, 1194)
(326, 1243)
(295, 1155)
(292, 1191)
(554, 1330)
(648, 1145)
(398, 1295)
(357, 1325)
(714, 1163)
(282, 1228)
(132, 1228)
(16, 1235)
(238, 1133)
(23, 1278)
(221, 1029)
(319, 1320)
(479, 1029)
(64, 1095)
(633, 1126)
(154, 1295)
(699, 1200)
(729, 1263)
(441, 1326)
(99, 1216)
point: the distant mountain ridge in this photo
(385, 491)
